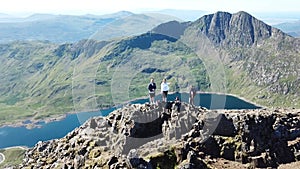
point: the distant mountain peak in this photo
(124, 13)
(238, 29)
(243, 13)
(172, 28)
(40, 16)
(119, 14)
(3, 15)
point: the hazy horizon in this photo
(271, 18)
(21, 8)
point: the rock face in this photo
(239, 29)
(264, 55)
(147, 136)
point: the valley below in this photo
(89, 96)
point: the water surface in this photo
(21, 136)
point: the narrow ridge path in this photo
(2, 158)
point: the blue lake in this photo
(21, 136)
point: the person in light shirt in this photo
(164, 89)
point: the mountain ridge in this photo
(72, 28)
(261, 66)
(292, 28)
(240, 25)
(255, 54)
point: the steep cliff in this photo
(260, 62)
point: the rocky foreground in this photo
(144, 136)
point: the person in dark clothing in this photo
(177, 104)
(151, 89)
(168, 106)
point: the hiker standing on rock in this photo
(164, 89)
(152, 88)
(192, 94)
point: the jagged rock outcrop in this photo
(147, 136)
(265, 57)
(234, 30)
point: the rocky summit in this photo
(165, 137)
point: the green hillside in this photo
(31, 77)
(222, 52)
(43, 79)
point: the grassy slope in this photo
(31, 76)
(41, 79)
(125, 77)
(41, 84)
(13, 157)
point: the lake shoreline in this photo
(36, 123)
(18, 147)
(234, 95)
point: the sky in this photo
(81, 7)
